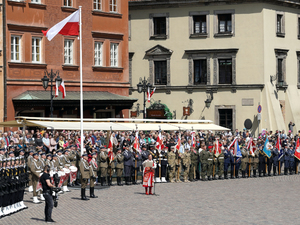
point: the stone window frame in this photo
(282, 33)
(191, 24)
(216, 23)
(224, 55)
(129, 27)
(151, 26)
(152, 59)
(281, 54)
(197, 56)
(233, 107)
(298, 26)
(21, 46)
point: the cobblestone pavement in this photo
(268, 200)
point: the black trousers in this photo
(48, 206)
(163, 169)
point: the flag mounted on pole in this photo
(136, 144)
(61, 88)
(193, 139)
(177, 147)
(159, 143)
(217, 149)
(236, 148)
(278, 146)
(69, 27)
(297, 151)
(267, 148)
(251, 146)
(110, 148)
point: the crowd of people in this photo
(162, 156)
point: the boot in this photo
(102, 181)
(254, 173)
(150, 191)
(83, 197)
(274, 171)
(92, 195)
(231, 176)
(76, 182)
(146, 191)
(35, 200)
(108, 181)
(127, 181)
(120, 181)
(225, 175)
(133, 180)
(285, 171)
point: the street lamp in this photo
(143, 86)
(45, 81)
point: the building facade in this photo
(29, 54)
(236, 55)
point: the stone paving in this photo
(267, 200)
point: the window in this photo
(15, 48)
(200, 71)
(68, 3)
(280, 28)
(279, 69)
(199, 24)
(160, 72)
(113, 6)
(98, 53)
(225, 23)
(97, 5)
(36, 49)
(36, 1)
(68, 51)
(114, 55)
(281, 55)
(225, 71)
(298, 27)
(159, 25)
(279, 23)
(225, 118)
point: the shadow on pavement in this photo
(76, 198)
(37, 219)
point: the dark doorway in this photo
(225, 118)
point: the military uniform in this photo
(119, 167)
(255, 162)
(204, 155)
(220, 163)
(172, 165)
(136, 164)
(186, 163)
(93, 175)
(103, 167)
(127, 165)
(85, 175)
(286, 161)
(29, 160)
(275, 155)
(194, 165)
(210, 164)
(36, 169)
(164, 163)
(178, 167)
(227, 159)
(292, 161)
(262, 163)
(110, 169)
(244, 163)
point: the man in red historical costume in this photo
(148, 178)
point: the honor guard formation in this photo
(130, 156)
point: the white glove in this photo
(159, 165)
(154, 151)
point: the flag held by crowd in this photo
(267, 148)
(236, 148)
(217, 149)
(297, 151)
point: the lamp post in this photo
(46, 80)
(143, 87)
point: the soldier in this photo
(48, 161)
(262, 163)
(172, 164)
(29, 160)
(245, 160)
(186, 163)
(119, 166)
(85, 175)
(23, 176)
(127, 162)
(36, 170)
(270, 162)
(227, 157)
(194, 164)
(93, 174)
(220, 162)
(292, 160)
(1, 186)
(286, 153)
(136, 163)
(60, 159)
(178, 166)
(66, 163)
(210, 162)
(204, 155)
(255, 162)
(110, 168)
(164, 163)
(103, 165)
(275, 155)
(55, 163)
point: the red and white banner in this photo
(159, 143)
(251, 146)
(136, 144)
(297, 151)
(193, 139)
(69, 26)
(111, 148)
(178, 142)
(278, 143)
(149, 95)
(61, 88)
(217, 148)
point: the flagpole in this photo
(81, 92)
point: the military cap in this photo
(11, 147)
(102, 147)
(11, 152)
(84, 154)
(94, 153)
(31, 151)
(68, 147)
(225, 146)
(2, 149)
(17, 158)
(66, 151)
(21, 150)
(49, 155)
(151, 146)
(59, 150)
(35, 154)
(119, 149)
(54, 155)
(40, 150)
(43, 153)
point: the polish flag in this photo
(193, 139)
(178, 142)
(136, 144)
(110, 148)
(251, 146)
(278, 143)
(159, 143)
(297, 151)
(148, 94)
(217, 148)
(69, 26)
(62, 89)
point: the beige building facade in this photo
(238, 56)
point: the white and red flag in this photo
(159, 143)
(136, 144)
(217, 148)
(69, 26)
(178, 142)
(149, 95)
(278, 143)
(251, 146)
(297, 151)
(110, 148)
(61, 88)
(193, 139)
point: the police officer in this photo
(172, 163)
(127, 162)
(227, 157)
(119, 166)
(286, 153)
(85, 174)
(164, 163)
(275, 155)
(292, 159)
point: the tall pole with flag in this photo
(81, 91)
